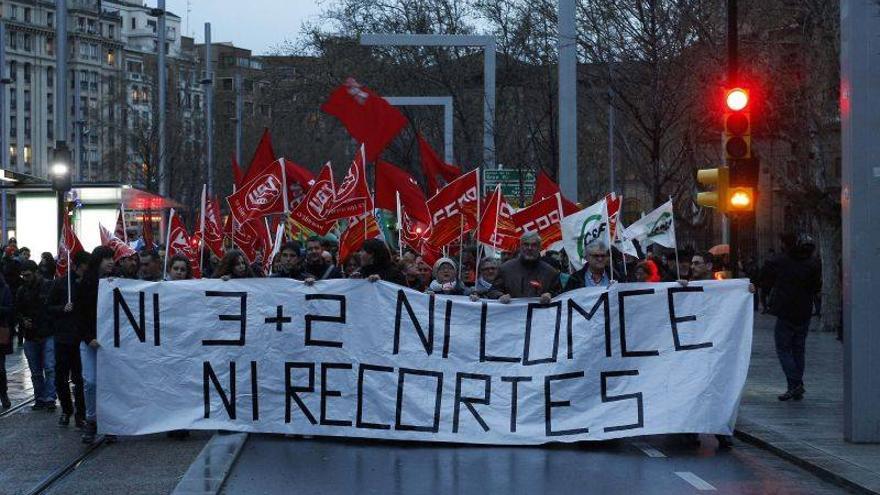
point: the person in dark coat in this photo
(526, 275)
(315, 266)
(7, 317)
(596, 272)
(376, 263)
(85, 310)
(39, 344)
(68, 366)
(796, 280)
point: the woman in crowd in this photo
(85, 308)
(234, 265)
(351, 266)
(376, 263)
(647, 271)
(47, 266)
(488, 273)
(446, 280)
(179, 268)
(6, 319)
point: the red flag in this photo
(433, 166)
(412, 231)
(497, 228)
(313, 211)
(613, 202)
(390, 181)
(545, 187)
(430, 253)
(120, 248)
(179, 242)
(367, 116)
(237, 174)
(120, 225)
(458, 200)
(263, 195)
(68, 247)
(248, 239)
(358, 231)
(352, 197)
(299, 180)
(263, 159)
(543, 217)
(147, 229)
(213, 234)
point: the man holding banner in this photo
(526, 275)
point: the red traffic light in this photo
(737, 99)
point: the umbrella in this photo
(720, 249)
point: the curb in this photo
(818, 462)
(212, 466)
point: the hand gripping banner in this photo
(358, 359)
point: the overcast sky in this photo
(253, 24)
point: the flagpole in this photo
(202, 228)
(124, 227)
(67, 253)
(167, 245)
(399, 224)
(608, 234)
(675, 237)
(460, 246)
(283, 184)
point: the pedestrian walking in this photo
(68, 366)
(39, 344)
(796, 281)
(85, 309)
(7, 316)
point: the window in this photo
(152, 25)
(111, 31)
(14, 14)
(27, 127)
(50, 129)
(13, 101)
(230, 108)
(50, 103)
(27, 17)
(50, 77)
(28, 46)
(249, 85)
(27, 153)
(27, 73)
(27, 100)
(13, 70)
(13, 151)
(13, 40)
(227, 83)
(111, 58)
(50, 45)
(91, 26)
(50, 19)
(134, 23)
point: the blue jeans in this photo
(89, 357)
(791, 341)
(41, 360)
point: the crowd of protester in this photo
(58, 329)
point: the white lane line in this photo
(648, 450)
(695, 481)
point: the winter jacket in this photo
(321, 271)
(796, 280)
(85, 309)
(387, 273)
(64, 324)
(7, 313)
(520, 278)
(30, 303)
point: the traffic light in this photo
(719, 178)
(737, 137)
(740, 200)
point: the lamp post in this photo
(59, 172)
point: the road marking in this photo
(648, 450)
(695, 481)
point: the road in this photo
(663, 464)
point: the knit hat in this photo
(440, 262)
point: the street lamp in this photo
(59, 173)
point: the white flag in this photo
(625, 246)
(655, 227)
(583, 228)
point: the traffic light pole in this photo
(729, 232)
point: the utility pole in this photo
(208, 84)
(163, 76)
(860, 188)
(4, 136)
(611, 150)
(61, 155)
(567, 47)
(239, 102)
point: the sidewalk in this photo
(809, 432)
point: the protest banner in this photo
(358, 359)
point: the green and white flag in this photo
(657, 227)
(583, 228)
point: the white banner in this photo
(359, 359)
